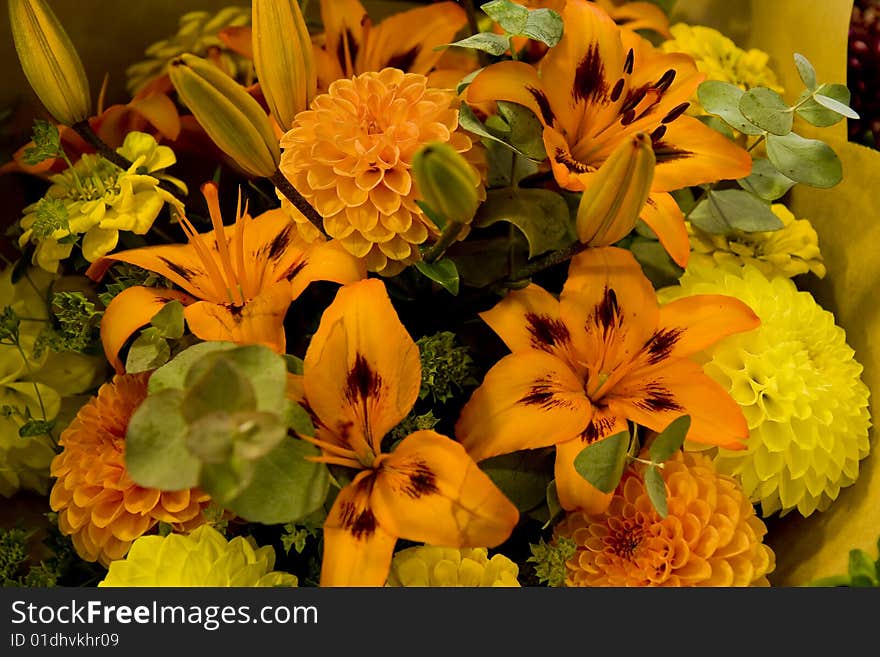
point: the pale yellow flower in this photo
(445, 566)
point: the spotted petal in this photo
(344, 33)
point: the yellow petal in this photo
(430, 490)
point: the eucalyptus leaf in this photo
(522, 476)
(722, 99)
(807, 161)
(510, 16)
(156, 455)
(265, 371)
(544, 25)
(172, 375)
(602, 463)
(733, 209)
(148, 351)
(241, 435)
(717, 124)
(494, 44)
(227, 480)
(765, 181)
(285, 487)
(294, 364)
(540, 214)
(169, 320)
(656, 488)
(670, 440)
(823, 117)
(298, 419)
(767, 110)
(443, 272)
(218, 386)
(836, 106)
(805, 70)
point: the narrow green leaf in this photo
(807, 161)
(443, 272)
(510, 16)
(765, 181)
(540, 214)
(156, 455)
(862, 566)
(494, 44)
(819, 116)
(169, 320)
(553, 506)
(670, 440)
(805, 70)
(602, 463)
(836, 106)
(767, 110)
(438, 219)
(722, 99)
(544, 25)
(656, 488)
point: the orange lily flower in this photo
(361, 377)
(352, 45)
(602, 84)
(237, 288)
(605, 352)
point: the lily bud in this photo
(50, 61)
(447, 183)
(283, 58)
(232, 117)
(617, 193)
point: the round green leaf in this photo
(169, 320)
(766, 109)
(670, 440)
(807, 161)
(823, 117)
(510, 16)
(443, 272)
(765, 181)
(218, 386)
(656, 488)
(544, 25)
(722, 99)
(172, 375)
(602, 463)
(734, 209)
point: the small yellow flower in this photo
(443, 566)
(799, 386)
(97, 199)
(201, 558)
(789, 251)
(197, 34)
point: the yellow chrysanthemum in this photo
(98, 504)
(799, 386)
(350, 155)
(721, 59)
(201, 558)
(33, 382)
(710, 536)
(789, 251)
(98, 199)
(197, 34)
(441, 566)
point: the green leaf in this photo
(660, 269)
(494, 44)
(434, 216)
(285, 487)
(238, 436)
(169, 320)
(217, 386)
(466, 80)
(722, 99)
(148, 351)
(510, 16)
(554, 508)
(767, 110)
(469, 121)
(522, 476)
(444, 272)
(717, 124)
(172, 375)
(670, 439)
(47, 143)
(805, 71)
(544, 25)
(765, 181)
(227, 480)
(807, 161)
(822, 117)
(734, 209)
(656, 488)
(836, 106)
(298, 419)
(156, 455)
(294, 364)
(526, 132)
(541, 215)
(602, 463)
(35, 428)
(862, 566)
(483, 261)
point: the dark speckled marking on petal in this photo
(546, 332)
(362, 382)
(661, 343)
(589, 77)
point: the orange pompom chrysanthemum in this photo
(350, 155)
(710, 536)
(98, 504)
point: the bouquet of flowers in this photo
(513, 293)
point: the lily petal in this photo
(573, 491)
(362, 369)
(529, 399)
(129, 310)
(430, 490)
(345, 24)
(357, 551)
(666, 219)
(327, 261)
(516, 82)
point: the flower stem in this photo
(299, 202)
(447, 237)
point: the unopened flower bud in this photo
(232, 117)
(611, 205)
(283, 58)
(447, 183)
(50, 61)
